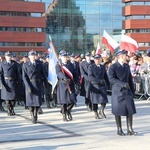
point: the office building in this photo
(22, 26)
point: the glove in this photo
(126, 86)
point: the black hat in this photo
(72, 55)
(64, 53)
(8, 53)
(121, 52)
(32, 52)
(87, 54)
(61, 52)
(97, 56)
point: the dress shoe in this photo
(131, 132)
(101, 113)
(120, 132)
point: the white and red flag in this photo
(109, 42)
(67, 71)
(128, 44)
(98, 50)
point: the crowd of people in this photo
(25, 81)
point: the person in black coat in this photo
(85, 85)
(65, 87)
(9, 77)
(48, 89)
(76, 67)
(21, 86)
(33, 77)
(122, 92)
(99, 84)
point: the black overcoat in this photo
(9, 77)
(63, 95)
(122, 99)
(85, 85)
(99, 83)
(34, 77)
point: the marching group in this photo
(90, 77)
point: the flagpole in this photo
(68, 87)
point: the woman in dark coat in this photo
(122, 92)
(99, 83)
(66, 78)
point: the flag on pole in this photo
(109, 42)
(128, 44)
(53, 60)
(98, 50)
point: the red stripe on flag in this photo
(67, 72)
(105, 41)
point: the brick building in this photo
(22, 26)
(137, 21)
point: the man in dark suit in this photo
(85, 85)
(122, 92)
(33, 77)
(9, 77)
(99, 84)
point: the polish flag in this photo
(109, 42)
(67, 71)
(98, 50)
(128, 44)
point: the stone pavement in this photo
(83, 133)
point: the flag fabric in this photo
(98, 50)
(66, 71)
(128, 44)
(53, 60)
(109, 42)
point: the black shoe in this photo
(89, 108)
(120, 132)
(65, 118)
(40, 111)
(131, 132)
(2, 108)
(20, 103)
(69, 115)
(102, 114)
(9, 113)
(13, 112)
(96, 115)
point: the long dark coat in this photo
(63, 96)
(33, 77)
(122, 99)
(98, 90)
(48, 89)
(85, 85)
(9, 86)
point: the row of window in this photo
(19, 44)
(137, 3)
(138, 31)
(26, 14)
(17, 29)
(138, 17)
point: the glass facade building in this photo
(77, 25)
